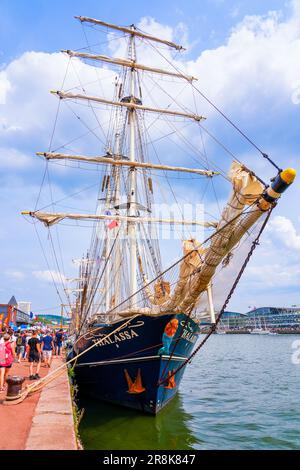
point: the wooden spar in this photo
(78, 96)
(112, 161)
(211, 304)
(132, 32)
(127, 63)
(52, 218)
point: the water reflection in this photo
(109, 427)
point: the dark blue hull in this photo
(127, 368)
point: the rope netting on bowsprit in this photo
(218, 261)
(211, 264)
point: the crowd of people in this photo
(35, 346)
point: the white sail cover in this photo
(197, 269)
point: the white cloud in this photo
(50, 276)
(255, 69)
(4, 87)
(13, 158)
(273, 275)
(296, 7)
(282, 229)
(259, 60)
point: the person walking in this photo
(12, 338)
(27, 338)
(20, 346)
(54, 342)
(47, 348)
(59, 339)
(34, 355)
(7, 355)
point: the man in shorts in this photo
(47, 348)
(34, 355)
(20, 346)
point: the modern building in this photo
(233, 321)
(276, 319)
(11, 315)
(25, 307)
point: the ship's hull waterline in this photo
(126, 368)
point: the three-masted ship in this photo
(134, 323)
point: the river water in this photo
(240, 392)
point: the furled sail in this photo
(197, 269)
(122, 274)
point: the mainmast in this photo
(125, 158)
(132, 181)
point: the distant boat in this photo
(260, 331)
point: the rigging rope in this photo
(263, 154)
(183, 258)
(55, 373)
(214, 326)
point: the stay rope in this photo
(37, 386)
(235, 126)
(214, 326)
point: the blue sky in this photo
(246, 55)
(41, 25)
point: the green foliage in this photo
(77, 413)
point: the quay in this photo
(44, 420)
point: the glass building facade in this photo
(277, 319)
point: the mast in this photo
(228, 231)
(132, 183)
(117, 267)
(107, 260)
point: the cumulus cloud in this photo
(50, 276)
(273, 275)
(282, 229)
(255, 69)
(4, 87)
(258, 61)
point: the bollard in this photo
(14, 385)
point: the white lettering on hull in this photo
(117, 337)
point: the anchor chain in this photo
(214, 326)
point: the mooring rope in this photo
(57, 372)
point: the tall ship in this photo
(177, 214)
